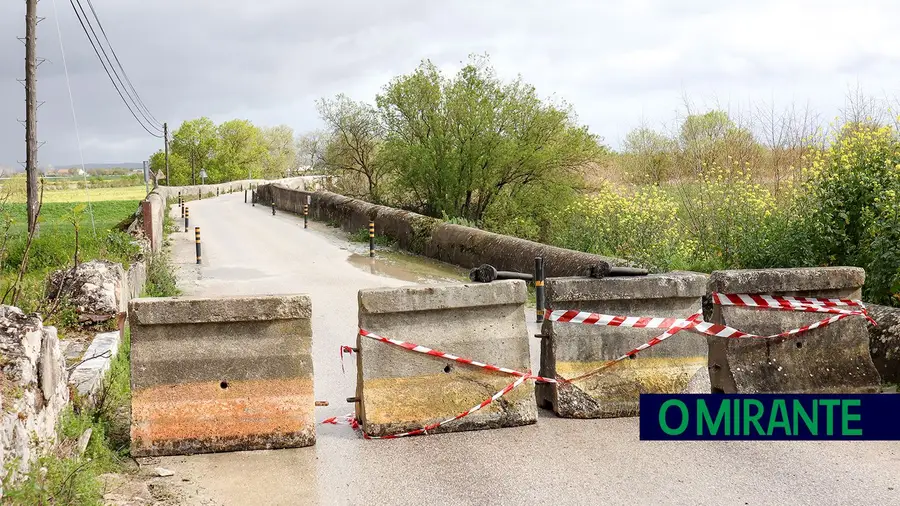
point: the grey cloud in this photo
(268, 60)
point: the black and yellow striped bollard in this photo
(539, 287)
(305, 215)
(187, 215)
(197, 239)
(371, 239)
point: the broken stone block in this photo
(97, 289)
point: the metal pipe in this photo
(371, 239)
(187, 214)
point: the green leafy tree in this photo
(461, 145)
(179, 168)
(240, 152)
(195, 141)
(711, 139)
(281, 153)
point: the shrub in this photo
(853, 190)
(642, 226)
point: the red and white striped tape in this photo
(695, 323)
(521, 377)
(449, 356)
(348, 419)
(349, 351)
(424, 430)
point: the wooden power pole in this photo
(166, 140)
(31, 144)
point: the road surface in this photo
(246, 250)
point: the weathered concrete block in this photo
(832, 359)
(884, 341)
(87, 378)
(221, 374)
(574, 349)
(400, 390)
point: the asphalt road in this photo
(246, 250)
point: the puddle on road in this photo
(406, 267)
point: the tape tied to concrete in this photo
(521, 377)
(695, 322)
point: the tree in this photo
(459, 145)
(179, 168)
(712, 138)
(194, 141)
(240, 152)
(354, 135)
(648, 155)
(281, 155)
(311, 151)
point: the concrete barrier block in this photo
(221, 374)
(401, 390)
(832, 359)
(572, 349)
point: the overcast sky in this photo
(618, 63)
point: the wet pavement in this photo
(246, 250)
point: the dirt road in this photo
(246, 250)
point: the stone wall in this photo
(33, 389)
(153, 208)
(464, 246)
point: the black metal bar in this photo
(273, 208)
(245, 196)
(539, 288)
(187, 214)
(627, 271)
(371, 239)
(305, 215)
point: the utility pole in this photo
(31, 145)
(166, 140)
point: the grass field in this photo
(54, 247)
(93, 194)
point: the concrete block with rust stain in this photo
(401, 390)
(832, 359)
(221, 374)
(572, 349)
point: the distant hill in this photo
(91, 166)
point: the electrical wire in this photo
(140, 102)
(74, 119)
(134, 100)
(119, 91)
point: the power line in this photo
(140, 102)
(128, 104)
(134, 101)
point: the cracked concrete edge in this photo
(439, 297)
(775, 281)
(680, 284)
(179, 310)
